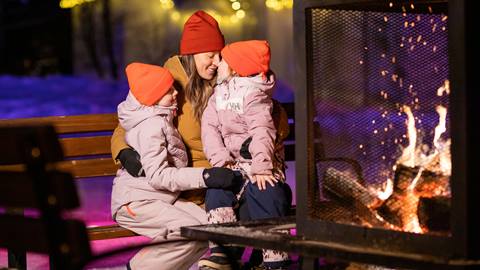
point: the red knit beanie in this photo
(248, 57)
(201, 34)
(148, 83)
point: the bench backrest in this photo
(85, 141)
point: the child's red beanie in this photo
(148, 83)
(248, 57)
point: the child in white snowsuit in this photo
(149, 205)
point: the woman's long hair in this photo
(198, 90)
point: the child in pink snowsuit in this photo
(150, 205)
(238, 132)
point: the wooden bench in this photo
(85, 140)
(28, 180)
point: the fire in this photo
(410, 219)
(436, 162)
(445, 88)
(387, 191)
(408, 155)
(441, 127)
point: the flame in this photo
(415, 180)
(408, 155)
(410, 218)
(441, 127)
(388, 190)
(445, 88)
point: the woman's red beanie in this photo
(248, 57)
(201, 34)
(148, 83)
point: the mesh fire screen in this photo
(381, 97)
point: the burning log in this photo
(347, 187)
(434, 213)
(401, 211)
(400, 208)
(432, 184)
(354, 198)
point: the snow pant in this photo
(222, 206)
(161, 221)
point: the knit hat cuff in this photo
(200, 45)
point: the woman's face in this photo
(206, 64)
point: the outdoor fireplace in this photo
(392, 166)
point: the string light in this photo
(240, 14)
(72, 3)
(236, 5)
(278, 5)
(175, 15)
(167, 4)
(181, 17)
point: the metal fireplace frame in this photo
(464, 242)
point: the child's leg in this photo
(161, 221)
(269, 203)
(219, 206)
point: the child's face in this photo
(170, 98)
(224, 72)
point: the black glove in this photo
(244, 149)
(218, 177)
(130, 160)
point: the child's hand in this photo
(228, 165)
(262, 180)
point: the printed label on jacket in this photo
(234, 104)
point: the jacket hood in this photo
(131, 112)
(174, 65)
(258, 82)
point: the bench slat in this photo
(61, 187)
(89, 167)
(108, 232)
(20, 233)
(85, 146)
(70, 124)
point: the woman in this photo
(193, 70)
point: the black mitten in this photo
(130, 160)
(244, 149)
(218, 177)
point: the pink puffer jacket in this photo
(150, 131)
(239, 109)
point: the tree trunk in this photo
(88, 36)
(107, 26)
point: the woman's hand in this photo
(262, 179)
(229, 165)
(130, 160)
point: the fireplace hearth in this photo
(388, 83)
